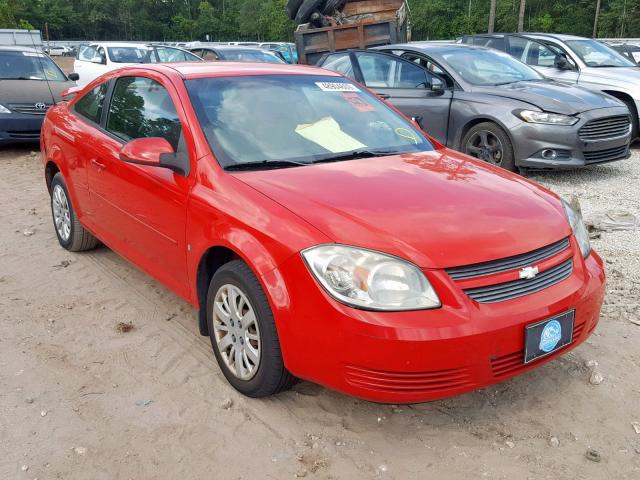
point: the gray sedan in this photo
(489, 105)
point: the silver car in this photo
(573, 60)
(487, 104)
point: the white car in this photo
(99, 58)
(56, 51)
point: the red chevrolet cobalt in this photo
(318, 232)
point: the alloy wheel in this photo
(61, 212)
(236, 332)
(484, 145)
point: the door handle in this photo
(384, 96)
(97, 164)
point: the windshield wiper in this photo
(354, 155)
(264, 164)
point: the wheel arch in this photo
(481, 119)
(50, 170)
(210, 262)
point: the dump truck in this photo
(360, 24)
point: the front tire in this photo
(243, 333)
(490, 143)
(634, 119)
(70, 232)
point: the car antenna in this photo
(46, 77)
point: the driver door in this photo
(550, 61)
(141, 210)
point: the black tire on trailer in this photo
(243, 332)
(333, 6)
(292, 8)
(70, 232)
(307, 8)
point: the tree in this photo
(523, 6)
(595, 21)
(492, 16)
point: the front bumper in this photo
(532, 141)
(20, 128)
(409, 357)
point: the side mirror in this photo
(437, 85)
(100, 60)
(562, 63)
(73, 76)
(154, 152)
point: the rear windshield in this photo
(300, 118)
(17, 65)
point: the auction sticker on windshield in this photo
(337, 87)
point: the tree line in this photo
(266, 20)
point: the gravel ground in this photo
(103, 376)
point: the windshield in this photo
(250, 56)
(488, 67)
(596, 54)
(296, 118)
(16, 65)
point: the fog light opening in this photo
(549, 154)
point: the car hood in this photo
(437, 209)
(32, 91)
(552, 97)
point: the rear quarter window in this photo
(90, 105)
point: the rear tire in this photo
(487, 141)
(70, 232)
(237, 307)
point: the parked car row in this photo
(489, 105)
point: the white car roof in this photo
(120, 44)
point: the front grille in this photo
(607, 155)
(605, 128)
(29, 108)
(509, 263)
(513, 363)
(410, 383)
(519, 288)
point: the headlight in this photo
(578, 227)
(4, 109)
(370, 280)
(546, 118)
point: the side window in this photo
(90, 105)
(383, 71)
(430, 66)
(340, 63)
(171, 55)
(142, 108)
(86, 53)
(210, 56)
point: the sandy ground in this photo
(81, 400)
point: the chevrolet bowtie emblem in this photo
(529, 272)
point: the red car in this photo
(320, 234)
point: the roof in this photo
(18, 48)
(120, 44)
(557, 36)
(191, 70)
(432, 47)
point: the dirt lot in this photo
(81, 399)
